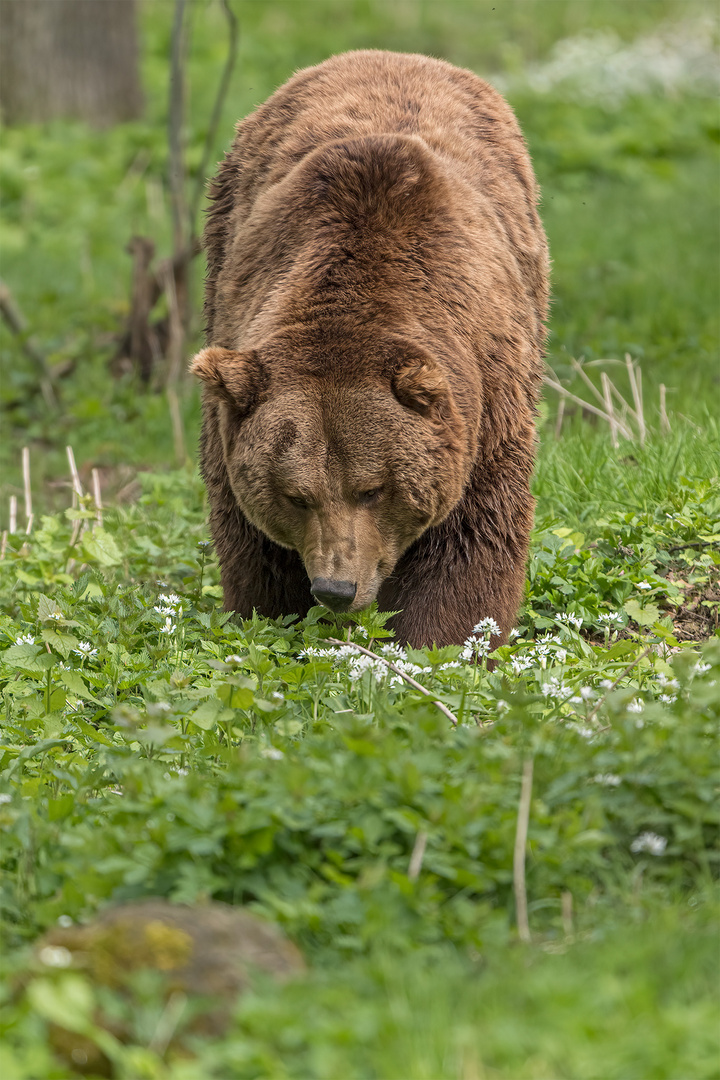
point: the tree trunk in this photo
(69, 58)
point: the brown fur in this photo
(377, 285)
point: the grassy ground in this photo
(148, 746)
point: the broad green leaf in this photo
(100, 546)
(643, 616)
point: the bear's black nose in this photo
(336, 595)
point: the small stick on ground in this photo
(519, 853)
(97, 497)
(393, 667)
(13, 513)
(418, 853)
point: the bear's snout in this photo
(336, 595)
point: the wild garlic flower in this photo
(650, 842)
(25, 639)
(606, 779)
(85, 650)
(643, 585)
(636, 706)
(572, 620)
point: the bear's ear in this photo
(236, 378)
(419, 384)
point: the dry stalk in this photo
(566, 902)
(635, 377)
(26, 482)
(13, 513)
(418, 854)
(560, 415)
(3, 544)
(97, 497)
(519, 853)
(625, 432)
(76, 485)
(607, 396)
(664, 422)
(393, 667)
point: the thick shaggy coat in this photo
(377, 285)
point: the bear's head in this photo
(349, 463)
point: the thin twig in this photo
(393, 667)
(519, 853)
(559, 420)
(3, 544)
(418, 853)
(18, 324)
(26, 483)
(577, 366)
(626, 671)
(175, 122)
(175, 348)
(223, 87)
(13, 513)
(97, 497)
(566, 907)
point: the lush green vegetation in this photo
(151, 745)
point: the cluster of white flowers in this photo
(610, 617)
(56, 616)
(700, 668)
(643, 585)
(272, 752)
(584, 694)
(25, 639)
(650, 842)
(556, 689)
(678, 57)
(569, 619)
(636, 706)
(547, 647)
(606, 779)
(478, 644)
(5, 798)
(169, 605)
(85, 650)
(56, 956)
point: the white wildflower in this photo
(643, 585)
(514, 633)
(666, 683)
(56, 956)
(169, 627)
(25, 639)
(5, 798)
(587, 693)
(272, 753)
(56, 615)
(85, 650)
(668, 699)
(573, 620)
(606, 684)
(64, 921)
(636, 706)
(502, 706)
(650, 842)
(700, 668)
(233, 658)
(487, 626)
(610, 617)
(606, 779)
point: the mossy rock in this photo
(201, 959)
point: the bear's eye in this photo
(367, 498)
(298, 501)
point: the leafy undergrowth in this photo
(154, 746)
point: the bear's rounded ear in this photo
(235, 378)
(419, 384)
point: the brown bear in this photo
(376, 290)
